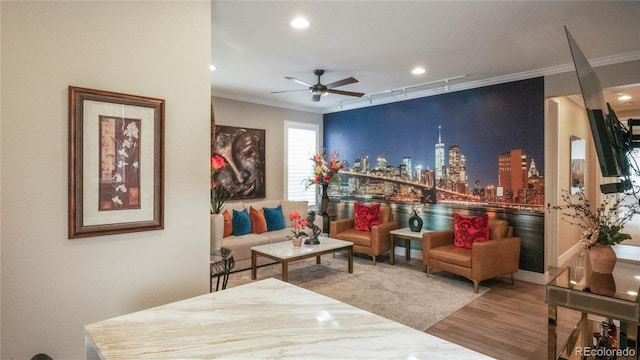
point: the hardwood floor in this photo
(508, 322)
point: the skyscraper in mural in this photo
(457, 174)
(512, 173)
(532, 169)
(407, 161)
(418, 173)
(381, 163)
(439, 157)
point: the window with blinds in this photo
(301, 143)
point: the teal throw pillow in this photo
(274, 217)
(241, 222)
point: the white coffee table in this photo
(284, 252)
(407, 235)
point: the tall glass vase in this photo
(324, 201)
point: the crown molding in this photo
(397, 95)
(390, 97)
(262, 101)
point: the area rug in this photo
(401, 294)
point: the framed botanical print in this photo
(116, 163)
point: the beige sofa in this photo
(241, 245)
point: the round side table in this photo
(221, 264)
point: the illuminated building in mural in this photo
(512, 173)
(407, 162)
(439, 157)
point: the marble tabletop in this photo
(406, 232)
(284, 249)
(627, 253)
(267, 319)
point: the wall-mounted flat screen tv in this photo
(610, 137)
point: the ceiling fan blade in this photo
(284, 91)
(316, 98)
(347, 81)
(348, 93)
(298, 81)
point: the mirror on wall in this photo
(578, 162)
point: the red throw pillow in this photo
(469, 230)
(366, 216)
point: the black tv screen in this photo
(609, 135)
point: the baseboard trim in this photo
(413, 253)
(532, 277)
(521, 275)
(569, 254)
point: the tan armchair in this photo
(498, 256)
(371, 243)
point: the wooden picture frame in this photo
(116, 163)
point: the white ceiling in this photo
(379, 42)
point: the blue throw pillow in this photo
(241, 222)
(274, 217)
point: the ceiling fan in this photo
(319, 89)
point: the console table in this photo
(617, 300)
(267, 319)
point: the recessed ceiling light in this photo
(212, 67)
(300, 23)
(418, 71)
(624, 97)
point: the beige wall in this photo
(244, 114)
(0, 182)
(53, 286)
(568, 117)
(573, 121)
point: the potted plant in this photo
(219, 195)
(298, 225)
(600, 228)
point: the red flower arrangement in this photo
(219, 194)
(325, 171)
(298, 223)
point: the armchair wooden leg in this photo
(476, 284)
(511, 278)
(374, 259)
(426, 269)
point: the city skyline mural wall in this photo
(469, 152)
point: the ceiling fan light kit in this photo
(319, 89)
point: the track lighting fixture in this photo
(429, 88)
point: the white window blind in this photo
(301, 144)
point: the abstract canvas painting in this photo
(244, 152)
